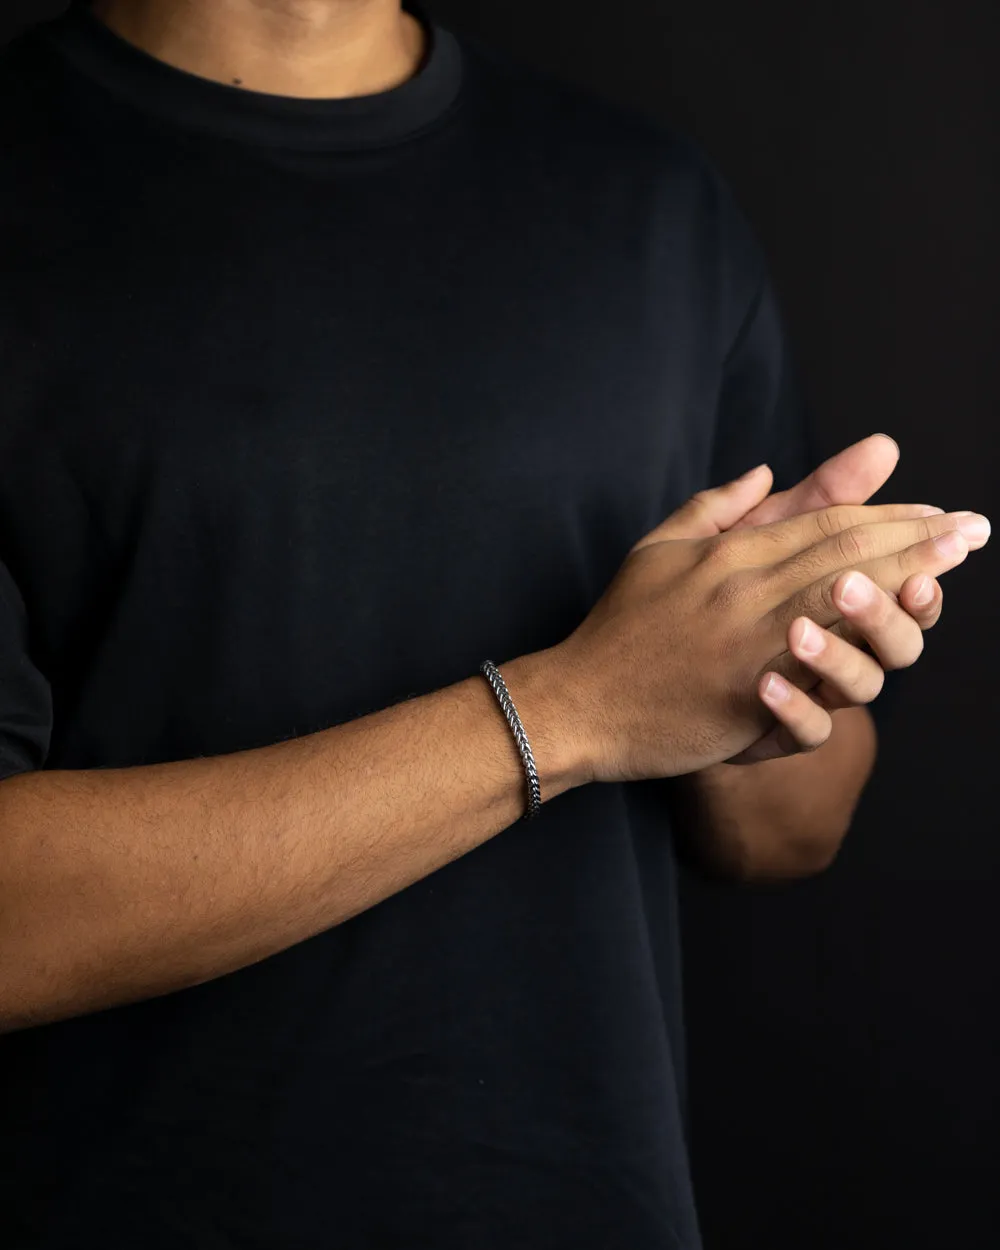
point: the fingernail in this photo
(856, 591)
(776, 691)
(927, 509)
(951, 544)
(811, 640)
(976, 528)
(744, 477)
(924, 592)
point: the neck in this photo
(308, 48)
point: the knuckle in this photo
(828, 522)
(823, 491)
(717, 547)
(852, 545)
(819, 603)
(731, 592)
(721, 553)
(908, 561)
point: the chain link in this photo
(492, 674)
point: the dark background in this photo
(845, 1031)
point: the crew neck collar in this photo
(231, 112)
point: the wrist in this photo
(551, 713)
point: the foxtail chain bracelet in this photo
(492, 674)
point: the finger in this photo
(837, 537)
(803, 724)
(800, 675)
(848, 676)
(852, 476)
(923, 598)
(932, 558)
(822, 600)
(711, 512)
(895, 637)
(925, 609)
(888, 552)
(844, 629)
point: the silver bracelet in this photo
(492, 674)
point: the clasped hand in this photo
(843, 665)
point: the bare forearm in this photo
(120, 884)
(782, 818)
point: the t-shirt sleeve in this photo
(762, 414)
(25, 693)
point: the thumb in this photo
(711, 512)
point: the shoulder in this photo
(542, 108)
(649, 176)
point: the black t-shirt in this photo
(309, 406)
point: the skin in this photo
(788, 816)
(306, 48)
(791, 815)
(352, 47)
(122, 884)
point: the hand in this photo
(664, 672)
(839, 671)
(852, 476)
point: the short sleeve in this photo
(25, 693)
(762, 416)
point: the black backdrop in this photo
(845, 1032)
